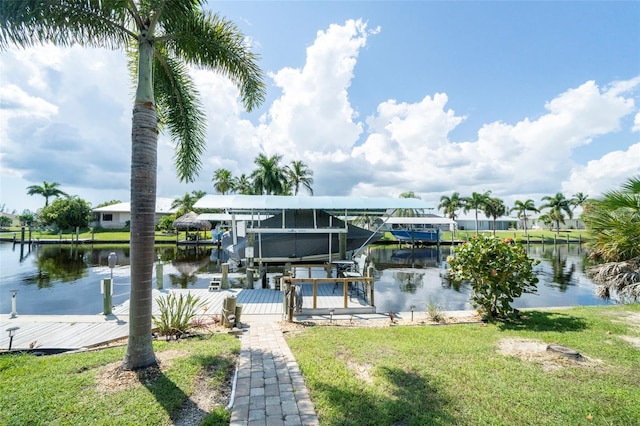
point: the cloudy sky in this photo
(524, 99)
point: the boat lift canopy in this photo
(256, 206)
(272, 203)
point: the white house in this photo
(467, 222)
(116, 216)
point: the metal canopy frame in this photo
(257, 206)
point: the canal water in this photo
(65, 279)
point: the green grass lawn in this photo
(454, 374)
(86, 388)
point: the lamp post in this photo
(112, 259)
(14, 312)
(412, 309)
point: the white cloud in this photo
(636, 123)
(604, 174)
(314, 115)
(15, 102)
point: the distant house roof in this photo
(163, 205)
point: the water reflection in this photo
(66, 279)
(561, 275)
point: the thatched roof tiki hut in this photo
(190, 222)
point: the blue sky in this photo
(521, 98)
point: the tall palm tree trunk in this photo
(144, 159)
(143, 208)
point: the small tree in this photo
(499, 271)
(67, 213)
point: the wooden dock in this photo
(85, 331)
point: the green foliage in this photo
(67, 213)
(27, 218)
(166, 223)
(614, 222)
(47, 190)
(434, 311)
(108, 203)
(499, 271)
(5, 221)
(176, 313)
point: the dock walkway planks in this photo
(85, 331)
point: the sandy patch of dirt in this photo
(113, 378)
(536, 351)
(362, 372)
(378, 322)
(635, 341)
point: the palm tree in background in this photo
(222, 181)
(494, 208)
(242, 185)
(163, 39)
(409, 212)
(522, 207)
(558, 205)
(46, 190)
(269, 178)
(186, 202)
(298, 173)
(578, 200)
(476, 202)
(450, 206)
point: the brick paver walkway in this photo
(270, 389)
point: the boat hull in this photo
(412, 236)
(290, 246)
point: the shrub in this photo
(176, 313)
(499, 271)
(434, 311)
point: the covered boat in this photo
(297, 236)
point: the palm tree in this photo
(409, 212)
(557, 204)
(46, 190)
(298, 173)
(222, 181)
(450, 206)
(614, 222)
(185, 204)
(522, 207)
(242, 184)
(494, 208)
(578, 200)
(476, 202)
(269, 178)
(164, 38)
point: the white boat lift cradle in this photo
(257, 207)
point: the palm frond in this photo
(93, 23)
(180, 109)
(211, 42)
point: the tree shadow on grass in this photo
(545, 321)
(409, 399)
(179, 406)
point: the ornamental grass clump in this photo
(176, 313)
(498, 271)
